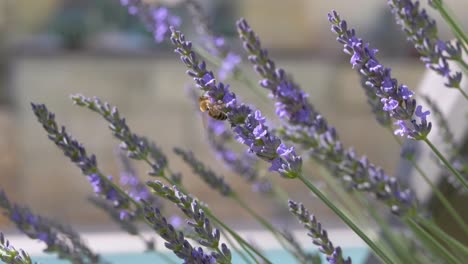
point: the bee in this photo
(215, 110)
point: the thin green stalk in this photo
(452, 242)
(454, 26)
(239, 74)
(446, 163)
(426, 236)
(236, 236)
(463, 92)
(277, 234)
(451, 210)
(345, 219)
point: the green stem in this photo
(463, 93)
(454, 26)
(237, 237)
(452, 211)
(277, 234)
(426, 236)
(455, 244)
(345, 219)
(436, 191)
(446, 163)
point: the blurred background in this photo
(50, 49)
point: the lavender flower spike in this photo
(137, 147)
(216, 182)
(102, 185)
(208, 236)
(176, 241)
(313, 133)
(291, 101)
(396, 98)
(156, 18)
(319, 235)
(248, 125)
(421, 30)
(9, 254)
(59, 239)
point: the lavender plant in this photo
(58, 238)
(130, 201)
(9, 254)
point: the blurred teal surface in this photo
(358, 255)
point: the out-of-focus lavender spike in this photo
(207, 235)
(215, 45)
(9, 254)
(396, 99)
(137, 147)
(318, 234)
(210, 177)
(59, 239)
(71, 148)
(248, 125)
(175, 240)
(311, 131)
(157, 18)
(421, 31)
(135, 187)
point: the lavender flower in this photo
(245, 165)
(208, 236)
(9, 254)
(249, 125)
(291, 101)
(216, 182)
(319, 235)
(176, 241)
(58, 238)
(157, 19)
(136, 188)
(215, 45)
(137, 147)
(421, 30)
(396, 99)
(309, 129)
(102, 185)
(382, 117)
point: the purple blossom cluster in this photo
(176, 241)
(215, 45)
(245, 164)
(137, 147)
(421, 31)
(318, 234)
(136, 188)
(291, 102)
(59, 239)
(10, 254)
(396, 99)
(248, 125)
(102, 185)
(311, 131)
(157, 19)
(207, 235)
